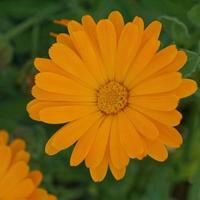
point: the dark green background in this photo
(24, 34)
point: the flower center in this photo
(112, 97)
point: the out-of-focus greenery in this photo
(24, 34)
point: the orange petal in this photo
(66, 40)
(117, 19)
(17, 145)
(40, 94)
(84, 144)
(52, 34)
(74, 26)
(147, 52)
(22, 156)
(107, 40)
(142, 156)
(140, 24)
(158, 62)
(60, 84)
(89, 26)
(39, 194)
(176, 64)
(70, 133)
(31, 103)
(50, 149)
(22, 190)
(155, 102)
(73, 64)
(129, 138)
(156, 150)
(15, 174)
(117, 173)
(100, 144)
(89, 55)
(171, 118)
(117, 153)
(98, 173)
(169, 135)
(36, 177)
(138, 21)
(126, 50)
(142, 123)
(186, 88)
(152, 30)
(4, 137)
(51, 197)
(160, 84)
(35, 106)
(62, 22)
(61, 114)
(5, 155)
(47, 65)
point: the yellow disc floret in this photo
(112, 97)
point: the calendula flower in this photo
(17, 182)
(115, 89)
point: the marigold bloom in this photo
(116, 89)
(17, 182)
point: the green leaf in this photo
(198, 93)
(190, 162)
(176, 30)
(12, 111)
(160, 183)
(193, 64)
(7, 85)
(194, 191)
(194, 15)
(6, 52)
(22, 8)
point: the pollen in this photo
(112, 97)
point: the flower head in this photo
(115, 89)
(16, 180)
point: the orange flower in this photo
(17, 182)
(118, 92)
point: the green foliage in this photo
(24, 34)
(176, 30)
(194, 14)
(192, 66)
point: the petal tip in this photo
(50, 149)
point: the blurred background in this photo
(24, 34)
